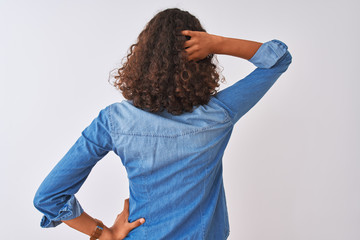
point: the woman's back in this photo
(173, 162)
(175, 170)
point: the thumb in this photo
(137, 223)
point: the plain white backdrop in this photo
(291, 169)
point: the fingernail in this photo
(142, 220)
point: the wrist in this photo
(107, 234)
(216, 44)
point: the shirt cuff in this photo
(70, 210)
(269, 53)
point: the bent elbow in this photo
(284, 62)
(39, 201)
(288, 58)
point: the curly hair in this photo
(157, 74)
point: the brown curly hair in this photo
(157, 74)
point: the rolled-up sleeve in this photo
(55, 197)
(272, 59)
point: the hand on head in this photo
(199, 46)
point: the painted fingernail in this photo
(142, 220)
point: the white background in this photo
(291, 169)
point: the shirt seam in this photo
(228, 117)
(226, 120)
(170, 136)
(201, 207)
(224, 110)
(90, 141)
(108, 113)
(277, 56)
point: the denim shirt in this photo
(173, 162)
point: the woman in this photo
(170, 134)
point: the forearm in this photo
(235, 47)
(86, 224)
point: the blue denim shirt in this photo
(174, 163)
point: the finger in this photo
(187, 32)
(194, 57)
(188, 57)
(189, 43)
(191, 57)
(136, 223)
(126, 205)
(191, 50)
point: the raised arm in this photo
(271, 58)
(202, 43)
(235, 47)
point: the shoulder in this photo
(116, 108)
(120, 113)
